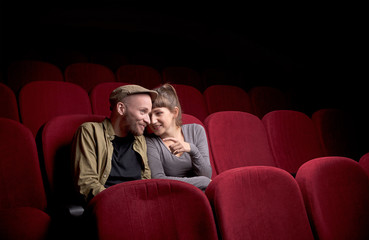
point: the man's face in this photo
(137, 117)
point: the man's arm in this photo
(86, 177)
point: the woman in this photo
(175, 151)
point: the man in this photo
(114, 151)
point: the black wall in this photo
(316, 51)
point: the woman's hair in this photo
(167, 97)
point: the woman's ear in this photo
(175, 112)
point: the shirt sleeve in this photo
(86, 177)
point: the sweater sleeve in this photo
(199, 151)
(157, 169)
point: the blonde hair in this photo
(167, 97)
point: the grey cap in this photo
(121, 92)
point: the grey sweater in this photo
(192, 167)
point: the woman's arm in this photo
(157, 170)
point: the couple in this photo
(116, 151)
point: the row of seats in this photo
(55, 98)
(40, 101)
(328, 199)
(87, 75)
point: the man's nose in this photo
(147, 119)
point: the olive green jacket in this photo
(92, 151)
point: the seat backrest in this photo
(237, 139)
(88, 75)
(8, 103)
(99, 97)
(260, 203)
(191, 100)
(57, 137)
(25, 71)
(227, 98)
(40, 101)
(183, 75)
(337, 133)
(153, 209)
(142, 75)
(292, 137)
(336, 195)
(265, 99)
(364, 163)
(21, 180)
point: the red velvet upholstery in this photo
(8, 103)
(336, 194)
(20, 177)
(153, 209)
(364, 163)
(258, 203)
(88, 75)
(227, 98)
(22, 198)
(337, 133)
(57, 136)
(22, 72)
(237, 139)
(99, 97)
(42, 100)
(183, 75)
(145, 76)
(266, 99)
(293, 138)
(24, 223)
(192, 101)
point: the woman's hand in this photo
(177, 147)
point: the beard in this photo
(134, 125)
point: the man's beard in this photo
(133, 126)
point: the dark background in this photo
(315, 51)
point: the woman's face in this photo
(162, 119)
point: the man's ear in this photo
(121, 108)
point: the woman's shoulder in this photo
(192, 126)
(151, 138)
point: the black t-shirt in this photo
(125, 165)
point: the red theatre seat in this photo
(237, 139)
(99, 97)
(227, 98)
(23, 72)
(42, 100)
(8, 103)
(364, 163)
(192, 101)
(183, 75)
(142, 75)
(336, 194)
(337, 132)
(260, 203)
(153, 209)
(22, 198)
(57, 137)
(293, 138)
(266, 99)
(88, 75)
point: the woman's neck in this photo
(174, 131)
